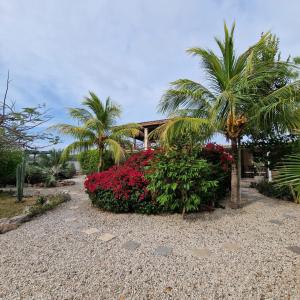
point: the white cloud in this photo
(130, 50)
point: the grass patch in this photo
(10, 208)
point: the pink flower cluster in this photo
(219, 152)
(123, 180)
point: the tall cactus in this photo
(20, 178)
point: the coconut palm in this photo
(232, 101)
(289, 175)
(97, 129)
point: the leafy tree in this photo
(97, 129)
(20, 128)
(232, 102)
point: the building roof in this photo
(153, 123)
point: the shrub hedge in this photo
(9, 159)
(153, 181)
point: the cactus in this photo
(20, 178)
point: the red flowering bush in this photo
(221, 161)
(217, 153)
(123, 188)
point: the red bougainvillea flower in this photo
(123, 180)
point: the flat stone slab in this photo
(231, 246)
(295, 249)
(74, 207)
(277, 222)
(162, 251)
(90, 231)
(106, 237)
(204, 252)
(131, 245)
(288, 216)
(70, 219)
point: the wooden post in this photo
(146, 138)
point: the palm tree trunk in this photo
(100, 164)
(235, 198)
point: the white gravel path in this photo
(226, 254)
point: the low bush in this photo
(36, 174)
(179, 181)
(89, 161)
(153, 181)
(9, 159)
(44, 204)
(269, 189)
(123, 188)
(220, 160)
(66, 171)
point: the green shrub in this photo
(123, 188)
(9, 159)
(269, 189)
(181, 182)
(106, 200)
(89, 161)
(66, 171)
(36, 174)
(51, 202)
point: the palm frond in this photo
(116, 150)
(179, 127)
(186, 93)
(76, 146)
(80, 114)
(281, 108)
(75, 131)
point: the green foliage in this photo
(97, 129)
(47, 204)
(270, 189)
(66, 171)
(289, 175)
(251, 90)
(9, 159)
(105, 200)
(41, 200)
(20, 178)
(89, 161)
(36, 174)
(180, 181)
(276, 144)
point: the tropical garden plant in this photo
(180, 181)
(289, 175)
(97, 129)
(242, 93)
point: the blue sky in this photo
(58, 50)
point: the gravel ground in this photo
(241, 254)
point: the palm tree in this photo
(233, 102)
(289, 175)
(97, 129)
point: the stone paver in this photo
(106, 237)
(70, 219)
(197, 252)
(162, 251)
(231, 246)
(289, 216)
(295, 249)
(90, 231)
(131, 245)
(277, 222)
(74, 207)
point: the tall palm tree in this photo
(232, 102)
(97, 129)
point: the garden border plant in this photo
(42, 205)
